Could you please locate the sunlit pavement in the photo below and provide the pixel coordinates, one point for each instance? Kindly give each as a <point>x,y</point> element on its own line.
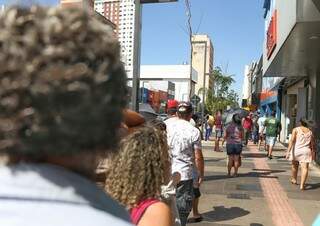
<point>262,195</point>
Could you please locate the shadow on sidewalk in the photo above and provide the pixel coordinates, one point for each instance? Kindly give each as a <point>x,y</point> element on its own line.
<point>214,159</point>
<point>261,155</point>
<point>269,171</point>
<point>262,174</point>
<point>254,155</point>
<point>220,213</point>
<point>312,186</point>
<point>215,177</point>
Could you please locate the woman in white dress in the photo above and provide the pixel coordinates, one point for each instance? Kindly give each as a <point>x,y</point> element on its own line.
<point>301,151</point>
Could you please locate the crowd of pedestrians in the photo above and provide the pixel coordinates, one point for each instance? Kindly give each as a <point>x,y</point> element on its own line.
<point>62,111</point>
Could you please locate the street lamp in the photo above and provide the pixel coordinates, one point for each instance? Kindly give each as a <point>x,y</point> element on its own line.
<point>137,50</point>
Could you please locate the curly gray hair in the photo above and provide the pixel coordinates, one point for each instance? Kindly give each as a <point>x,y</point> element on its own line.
<point>62,84</point>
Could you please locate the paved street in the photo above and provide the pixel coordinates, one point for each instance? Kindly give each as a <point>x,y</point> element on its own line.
<point>262,195</point>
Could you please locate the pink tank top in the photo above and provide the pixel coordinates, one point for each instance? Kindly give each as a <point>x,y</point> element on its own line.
<point>137,212</point>
<point>303,140</point>
<point>234,134</point>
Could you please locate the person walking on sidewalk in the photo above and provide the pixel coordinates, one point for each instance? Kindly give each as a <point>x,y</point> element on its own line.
<point>247,127</point>
<point>184,142</point>
<point>255,129</point>
<point>301,150</point>
<point>233,136</point>
<point>218,129</point>
<point>262,131</point>
<point>172,109</point>
<point>208,126</point>
<point>273,128</point>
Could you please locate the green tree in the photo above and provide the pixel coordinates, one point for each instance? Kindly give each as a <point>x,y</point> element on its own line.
<point>222,96</point>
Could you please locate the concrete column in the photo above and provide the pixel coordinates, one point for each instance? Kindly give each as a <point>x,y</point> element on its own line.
<point>284,116</point>
<point>317,115</point>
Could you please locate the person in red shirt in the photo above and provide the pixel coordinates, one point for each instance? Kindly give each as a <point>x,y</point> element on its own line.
<point>247,124</point>
<point>219,128</point>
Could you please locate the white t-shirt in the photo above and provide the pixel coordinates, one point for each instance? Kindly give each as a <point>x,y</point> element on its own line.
<point>183,139</point>
<point>193,123</point>
<point>170,120</point>
<point>261,121</point>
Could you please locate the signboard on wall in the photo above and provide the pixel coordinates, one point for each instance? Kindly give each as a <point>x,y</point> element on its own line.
<point>268,87</point>
<point>272,35</point>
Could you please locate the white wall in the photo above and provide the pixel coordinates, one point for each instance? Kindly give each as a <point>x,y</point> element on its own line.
<point>178,74</point>
<point>181,90</point>
<point>167,72</point>
<point>245,87</point>
<point>155,85</point>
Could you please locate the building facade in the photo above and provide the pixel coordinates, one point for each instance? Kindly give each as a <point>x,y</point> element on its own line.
<point>124,14</point>
<point>179,75</point>
<point>85,4</point>
<point>256,83</point>
<point>202,62</point>
<point>109,9</point>
<point>247,88</point>
<point>291,61</point>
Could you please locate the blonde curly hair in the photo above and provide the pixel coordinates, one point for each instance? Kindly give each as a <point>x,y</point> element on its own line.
<point>140,168</point>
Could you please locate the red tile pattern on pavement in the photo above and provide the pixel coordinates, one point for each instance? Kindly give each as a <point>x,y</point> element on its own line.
<point>283,214</point>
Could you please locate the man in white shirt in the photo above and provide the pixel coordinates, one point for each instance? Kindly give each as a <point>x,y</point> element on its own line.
<point>262,130</point>
<point>184,142</point>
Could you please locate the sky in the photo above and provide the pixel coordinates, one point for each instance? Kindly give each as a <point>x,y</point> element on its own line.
<point>236,28</point>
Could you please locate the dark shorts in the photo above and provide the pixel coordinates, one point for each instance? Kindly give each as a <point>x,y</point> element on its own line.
<point>196,192</point>
<point>219,133</point>
<point>184,197</point>
<point>234,149</point>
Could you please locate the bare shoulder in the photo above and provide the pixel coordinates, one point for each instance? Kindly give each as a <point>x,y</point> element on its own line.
<point>159,207</point>
<point>158,214</point>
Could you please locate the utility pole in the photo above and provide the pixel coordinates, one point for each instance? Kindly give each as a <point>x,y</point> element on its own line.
<point>136,57</point>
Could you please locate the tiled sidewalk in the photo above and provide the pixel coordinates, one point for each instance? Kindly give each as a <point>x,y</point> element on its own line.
<point>261,196</point>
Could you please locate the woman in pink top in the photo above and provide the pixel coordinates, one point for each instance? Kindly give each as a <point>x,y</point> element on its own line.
<point>233,136</point>
<point>301,151</point>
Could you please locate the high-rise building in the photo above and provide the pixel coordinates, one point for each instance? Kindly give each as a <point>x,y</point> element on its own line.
<point>85,4</point>
<point>200,57</point>
<point>122,13</point>
<point>109,9</point>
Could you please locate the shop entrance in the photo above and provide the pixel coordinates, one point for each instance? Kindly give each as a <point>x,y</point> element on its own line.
<point>291,112</point>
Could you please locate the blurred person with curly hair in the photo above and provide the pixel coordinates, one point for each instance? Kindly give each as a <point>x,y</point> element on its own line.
<point>136,174</point>
<point>62,92</point>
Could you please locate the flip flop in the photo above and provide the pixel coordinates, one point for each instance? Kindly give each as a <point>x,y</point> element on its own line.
<point>195,219</point>
<point>198,219</point>
<point>294,182</point>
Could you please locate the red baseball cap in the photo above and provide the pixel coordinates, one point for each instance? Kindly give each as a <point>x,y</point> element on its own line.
<point>172,104</point>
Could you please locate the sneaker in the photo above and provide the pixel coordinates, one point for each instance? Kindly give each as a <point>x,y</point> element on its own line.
<point>270,157</point>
